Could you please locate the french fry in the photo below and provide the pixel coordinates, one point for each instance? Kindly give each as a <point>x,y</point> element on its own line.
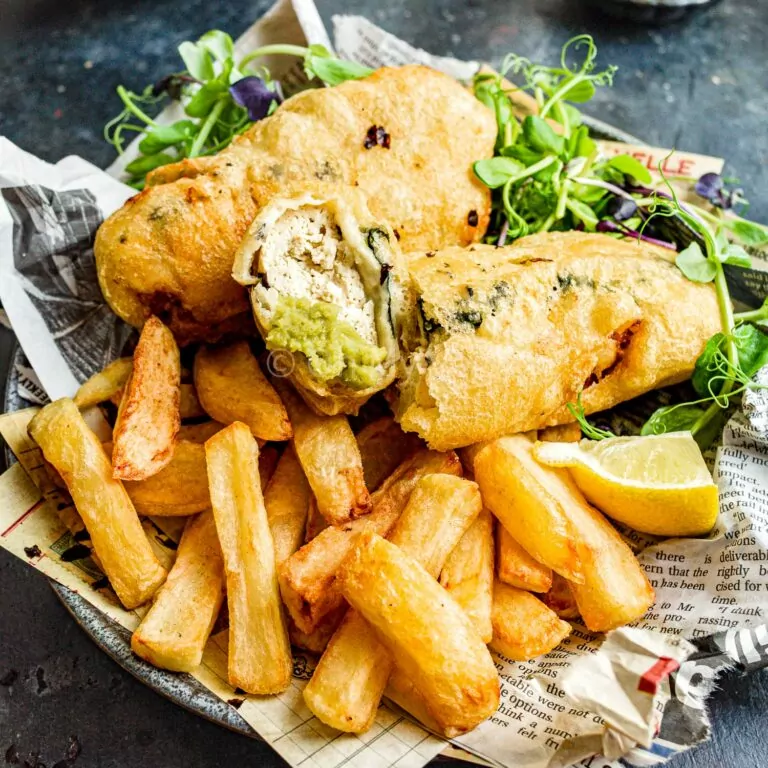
<point>468,573</point>
<point>615,590</point>
<point>232,387</point>
<point>307,577</point>
<point>199,433</point>
<point>560,598</point>
<point>286,499</point>
<point>259,653</point>
<point>516,567</point>
<point>317,640</point>
<point>105,384</point>
<point>515,488</point>
<point>103,503</point>
<point>348,683</point>
<point>383,445</point>
<point>178,489</point>
<point>523,627</point>
<point>148,417</point>
<point>315,521</point>
<point>433,640</point>
<point>402,692</point>
<point>562,433</point>
<point>268,458</point>
<point>174,632</point>
<point>189,404</point>
<point>330,458</point>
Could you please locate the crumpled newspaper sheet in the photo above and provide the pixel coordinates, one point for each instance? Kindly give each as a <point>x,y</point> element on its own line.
<point>639,694</point>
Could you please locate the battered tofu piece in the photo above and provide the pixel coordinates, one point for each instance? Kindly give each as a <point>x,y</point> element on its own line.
<point>321,276</point>
<point>405,136</point>
<point>508,336</point>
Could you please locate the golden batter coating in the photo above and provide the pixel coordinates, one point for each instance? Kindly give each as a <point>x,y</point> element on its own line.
<point>511,335</point>
<point>406,136</point>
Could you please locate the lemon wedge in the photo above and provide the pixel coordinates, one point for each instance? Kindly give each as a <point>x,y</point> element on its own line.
<point>657,484</point>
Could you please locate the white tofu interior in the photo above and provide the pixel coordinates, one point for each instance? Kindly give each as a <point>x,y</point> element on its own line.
<point>304,257</point>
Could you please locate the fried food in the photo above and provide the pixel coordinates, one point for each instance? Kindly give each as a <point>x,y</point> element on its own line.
<point>330,458</point>
<point>174,632</point>
<point>169,250</point>
<point>319,271</point>
<point>148,418</point>
<point>180,488</point>
<point>307,579</point>
<point>109,516</point>
<point>348,683</point>
<point>232,387</point>
<point>105,384</point>
<point>467,575</point>
<point>286,499</point>
<point>518,491</point>
<point>433,640</point>
<point>523,627</point>
<point>509,336</point>
<point>259,653</point>
<point>517,568</point>
<point>383,445</point>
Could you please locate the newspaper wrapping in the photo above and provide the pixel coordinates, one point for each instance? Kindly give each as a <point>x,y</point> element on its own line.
<point>637,695</point>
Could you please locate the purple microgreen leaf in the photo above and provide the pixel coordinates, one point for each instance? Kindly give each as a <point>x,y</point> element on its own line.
<point>621,208</point>
<point>709,186</point>
<point>255,95</point>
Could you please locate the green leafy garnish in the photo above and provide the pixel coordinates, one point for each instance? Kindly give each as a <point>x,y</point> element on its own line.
<point>221,98</point>
<point>548,178</point>
<point>731,357</point>
<point>587,429</point>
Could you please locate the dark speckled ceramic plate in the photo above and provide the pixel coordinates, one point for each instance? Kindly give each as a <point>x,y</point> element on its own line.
<point>111,637</point>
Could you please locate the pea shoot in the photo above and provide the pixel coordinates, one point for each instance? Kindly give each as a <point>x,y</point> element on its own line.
<point>548,179</point>
<point>220,97</point>
<point>731,358</point>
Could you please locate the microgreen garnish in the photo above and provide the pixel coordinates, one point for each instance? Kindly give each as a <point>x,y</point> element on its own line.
<point>587,429</point>
<point>549,177</point>
<point>731,357</point>
<point>221,98</point>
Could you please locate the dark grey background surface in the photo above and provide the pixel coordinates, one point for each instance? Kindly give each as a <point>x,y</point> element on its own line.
<point>701,86</point>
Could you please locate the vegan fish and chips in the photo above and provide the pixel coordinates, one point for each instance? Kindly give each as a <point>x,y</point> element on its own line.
<point>307,578</point>
<point>357,246</point>
<point>517,490</point>
<point>517,568</point>
<point>523,626</point>
<point>104,385</point>
<point>507,337</point>
<point>180,488</point>
<point>467,574</point>
<point>402,601</point>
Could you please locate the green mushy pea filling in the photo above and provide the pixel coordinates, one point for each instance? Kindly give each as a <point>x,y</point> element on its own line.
<point>333,347</point>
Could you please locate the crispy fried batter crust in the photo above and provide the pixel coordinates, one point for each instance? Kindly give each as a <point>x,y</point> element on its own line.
<point>515,333</point>
<point>169,249</point>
